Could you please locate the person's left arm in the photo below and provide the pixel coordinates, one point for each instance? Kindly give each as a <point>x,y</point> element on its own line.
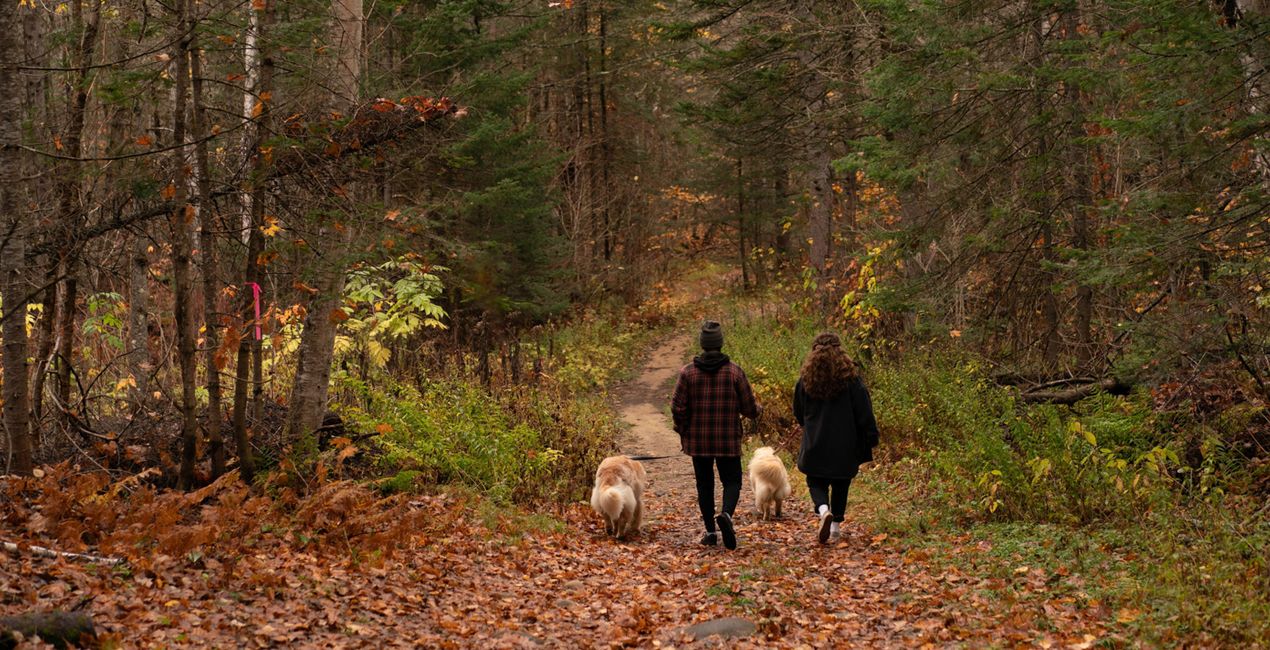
<point>865,424</point>
<point>679,404</point>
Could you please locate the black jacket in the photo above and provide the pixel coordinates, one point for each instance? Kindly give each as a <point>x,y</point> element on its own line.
<point>839,434</point>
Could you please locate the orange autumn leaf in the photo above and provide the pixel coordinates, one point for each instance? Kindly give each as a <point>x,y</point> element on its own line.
<point>338,315</point>
<point>168,191</point>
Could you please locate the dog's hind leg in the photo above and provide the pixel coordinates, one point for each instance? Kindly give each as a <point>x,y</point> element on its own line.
<point>637,520</point>
<point>778,508</point>
<point>609,527</point>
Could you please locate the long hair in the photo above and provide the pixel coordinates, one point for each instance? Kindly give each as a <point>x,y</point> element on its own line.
<point>827,370</point>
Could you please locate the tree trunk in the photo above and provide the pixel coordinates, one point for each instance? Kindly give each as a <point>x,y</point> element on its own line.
<point>207,252</point>
<point>259,70</point>
<point>317,341</point>
<point>70,196</point>
<point>1080,179</point>
<point>820,213</point>
<point>179,226</point>
<point>139,365</point>
<point>64,347</point>
<point>19,456</point>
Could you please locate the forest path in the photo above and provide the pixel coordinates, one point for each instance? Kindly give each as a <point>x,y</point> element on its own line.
<point>643,403</point>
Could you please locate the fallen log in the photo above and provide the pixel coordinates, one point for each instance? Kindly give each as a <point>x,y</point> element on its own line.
<point>48,552</point>
<point>62,629</point>
<point>1075,394</point>
<point>1037,379</point>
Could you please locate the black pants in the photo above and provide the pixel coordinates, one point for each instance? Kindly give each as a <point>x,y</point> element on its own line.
<point>831,492</point>
<point>729,474</point>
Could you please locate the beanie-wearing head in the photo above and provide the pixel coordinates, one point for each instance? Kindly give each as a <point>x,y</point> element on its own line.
<point>711,335</point>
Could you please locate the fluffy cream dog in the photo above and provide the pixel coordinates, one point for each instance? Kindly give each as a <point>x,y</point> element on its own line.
<point>618,495</point>
<point>769,480</point>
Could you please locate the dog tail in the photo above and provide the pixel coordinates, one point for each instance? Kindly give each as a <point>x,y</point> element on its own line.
<point>614,499</point>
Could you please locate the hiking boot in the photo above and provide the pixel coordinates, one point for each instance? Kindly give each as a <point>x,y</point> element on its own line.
<point>826,525</point>
<point>711,538</point>
<point>729,533</point>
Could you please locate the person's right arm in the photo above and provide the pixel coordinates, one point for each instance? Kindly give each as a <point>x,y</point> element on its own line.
<point>679,404</point>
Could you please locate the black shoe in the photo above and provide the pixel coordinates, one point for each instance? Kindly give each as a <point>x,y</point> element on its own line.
<point>729,533</point>
<point>826,524</point>
<point>711,538</point>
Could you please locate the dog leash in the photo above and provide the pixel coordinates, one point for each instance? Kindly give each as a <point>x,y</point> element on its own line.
<point>647,457</point>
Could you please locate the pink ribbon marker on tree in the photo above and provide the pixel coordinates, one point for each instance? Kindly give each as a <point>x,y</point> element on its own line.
<point>255,296</point>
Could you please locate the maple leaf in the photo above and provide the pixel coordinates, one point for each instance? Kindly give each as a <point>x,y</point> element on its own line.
<point>271,227</point>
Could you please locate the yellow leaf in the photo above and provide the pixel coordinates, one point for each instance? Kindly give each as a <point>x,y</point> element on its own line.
<point>1127,615</point>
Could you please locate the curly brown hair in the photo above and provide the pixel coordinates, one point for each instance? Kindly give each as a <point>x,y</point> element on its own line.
<point>827,369</point>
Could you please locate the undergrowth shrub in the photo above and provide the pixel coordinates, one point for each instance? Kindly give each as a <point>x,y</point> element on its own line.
<point>527,444</point>
<point>982,455</point>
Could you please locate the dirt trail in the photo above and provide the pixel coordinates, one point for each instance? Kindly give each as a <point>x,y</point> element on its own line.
<point>644,403</point>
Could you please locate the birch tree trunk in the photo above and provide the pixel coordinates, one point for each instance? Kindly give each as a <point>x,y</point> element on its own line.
<point>19,445</point>
<point>317,342</point>
<point>256,109</point>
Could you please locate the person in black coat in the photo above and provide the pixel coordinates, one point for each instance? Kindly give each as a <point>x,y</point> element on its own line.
<point>839,430</point>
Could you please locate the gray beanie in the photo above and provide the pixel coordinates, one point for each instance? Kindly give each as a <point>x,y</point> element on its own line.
<point>711,335</point>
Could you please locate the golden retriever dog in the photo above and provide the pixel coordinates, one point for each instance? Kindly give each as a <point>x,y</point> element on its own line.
<point>618,495</point>
<point>769,480</point>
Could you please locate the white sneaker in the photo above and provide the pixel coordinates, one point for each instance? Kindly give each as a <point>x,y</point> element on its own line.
<point>826,523</point>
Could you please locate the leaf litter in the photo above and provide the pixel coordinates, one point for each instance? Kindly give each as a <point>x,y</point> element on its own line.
<point>344,566</point>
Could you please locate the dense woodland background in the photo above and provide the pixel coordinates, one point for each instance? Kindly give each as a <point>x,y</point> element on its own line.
<point>467,215</point>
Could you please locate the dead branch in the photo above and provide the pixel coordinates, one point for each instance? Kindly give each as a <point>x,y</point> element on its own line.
<point>48,552</point>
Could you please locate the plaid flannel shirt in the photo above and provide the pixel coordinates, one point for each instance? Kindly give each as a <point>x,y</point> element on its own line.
<point>707,409</point>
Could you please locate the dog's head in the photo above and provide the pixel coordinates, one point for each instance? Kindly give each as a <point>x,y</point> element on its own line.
<point>764,451</point>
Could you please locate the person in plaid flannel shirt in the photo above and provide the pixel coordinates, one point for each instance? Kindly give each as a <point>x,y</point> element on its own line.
<point>711,396</point>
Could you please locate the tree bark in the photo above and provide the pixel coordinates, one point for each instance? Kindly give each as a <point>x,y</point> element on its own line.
<point>1081,191</point>
<point>56,627</point>
<point>207,252</point>
<point>317,341</point>
<point>179,226</point>
<point>259,68</point>
<point>820,213</point>
<point>70,197</point>
<point>19,458</point>
<point>139,363</point>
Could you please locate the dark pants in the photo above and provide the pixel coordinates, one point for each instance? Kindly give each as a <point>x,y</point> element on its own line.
<point>831,492</point>
<point>729,474</point>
